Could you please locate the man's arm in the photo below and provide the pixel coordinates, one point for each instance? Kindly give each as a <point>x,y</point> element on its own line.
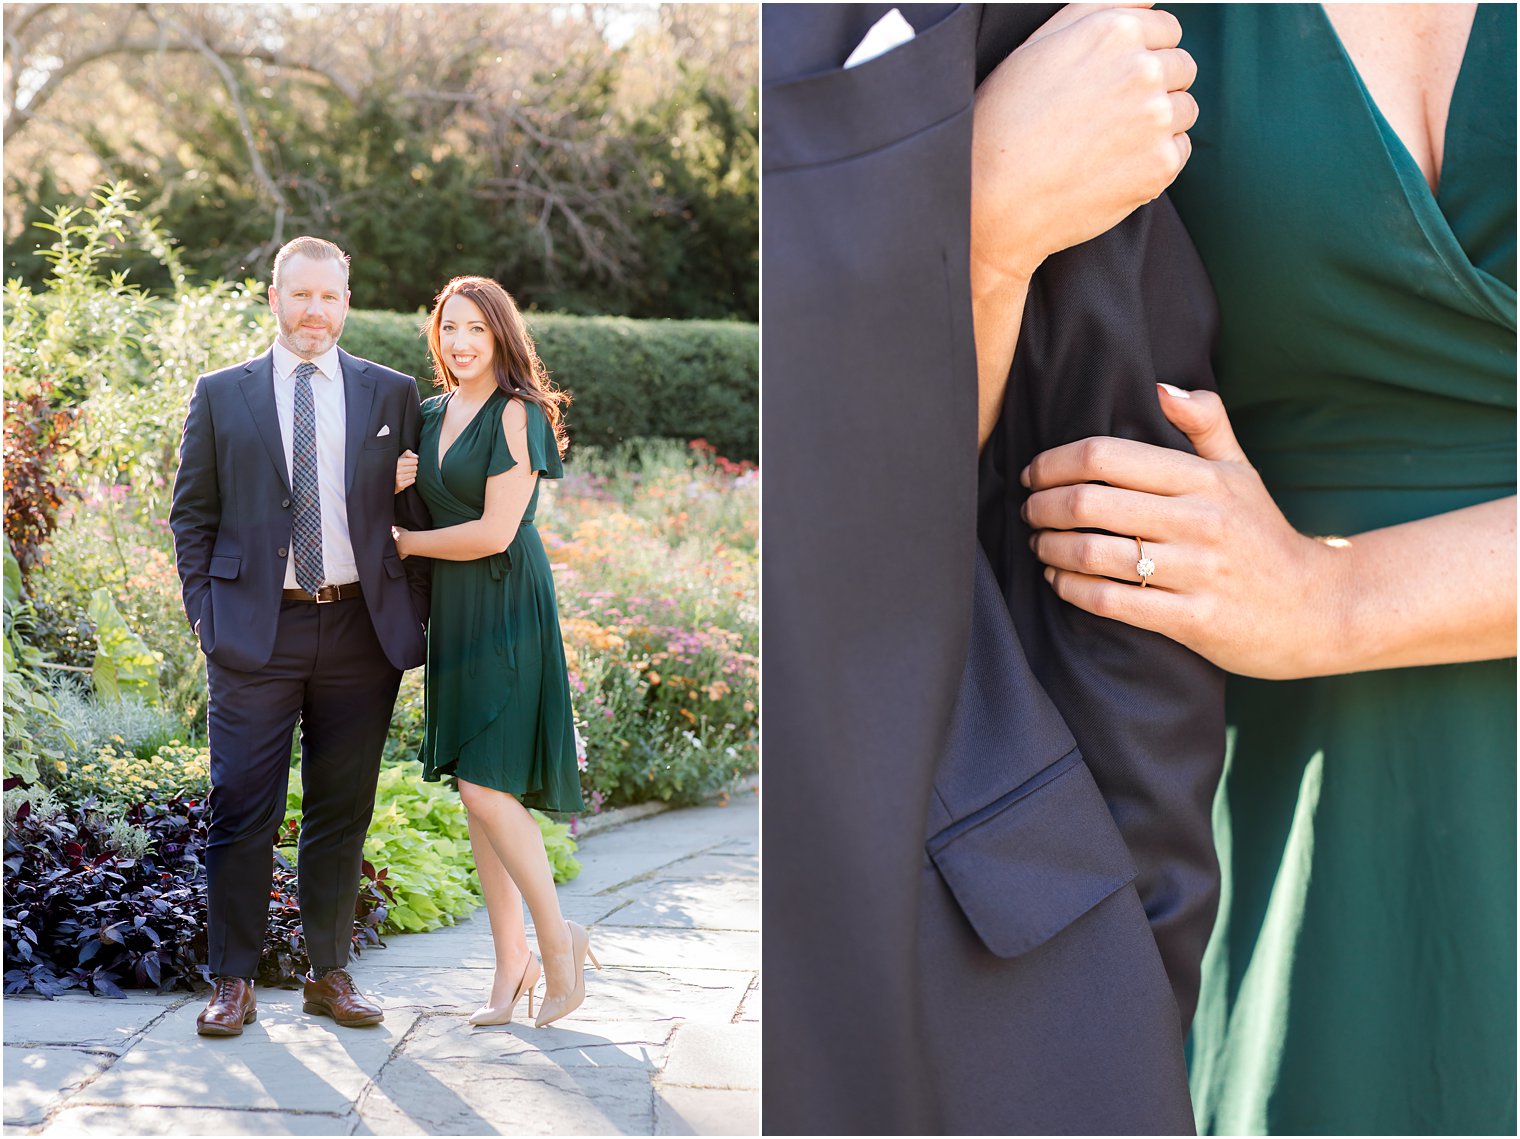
<point>411,512</point>
<point>196,514</point>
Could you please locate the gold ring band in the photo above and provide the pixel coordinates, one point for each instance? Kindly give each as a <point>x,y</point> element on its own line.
<point>1145,567</point>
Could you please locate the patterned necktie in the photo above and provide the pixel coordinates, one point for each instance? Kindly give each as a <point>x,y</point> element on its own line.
<point>306,533</point>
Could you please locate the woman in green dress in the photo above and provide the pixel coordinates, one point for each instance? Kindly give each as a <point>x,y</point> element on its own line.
<point>1352,193</point>
<point>497,691</point>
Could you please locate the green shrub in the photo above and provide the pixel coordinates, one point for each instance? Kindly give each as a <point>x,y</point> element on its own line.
<point>44,805</point>
<point>420,834</point>
<point>36,739</point>
<point>92,328</point>
<point>124,665</point>
<point>127,360</point>
<point>32,727</point>
<point>107,541</point>
<point>654,548</point>
<point>407,724</point>
<point>679,765</point>
<point>677,379</point>
<point>560,846</point>
<point>134,726</point>
<point>120,779</point>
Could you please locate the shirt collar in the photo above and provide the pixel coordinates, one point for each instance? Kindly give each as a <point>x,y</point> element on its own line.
<point>285,362</point>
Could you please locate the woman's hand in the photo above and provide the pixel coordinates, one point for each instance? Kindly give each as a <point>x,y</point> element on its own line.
<point>1233,580</point>
<point>1080,125</point>
<point>401,537</point>
<point>406,470</point>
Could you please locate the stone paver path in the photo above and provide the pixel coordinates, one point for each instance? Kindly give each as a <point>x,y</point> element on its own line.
<point>667,1043</point>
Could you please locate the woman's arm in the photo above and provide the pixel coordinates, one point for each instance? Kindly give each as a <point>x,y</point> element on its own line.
<point>1236,583</point>
<point>507,497</point>
<point>1081,125</point>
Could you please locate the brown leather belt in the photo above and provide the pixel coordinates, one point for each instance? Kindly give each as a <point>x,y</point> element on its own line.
<point>325,594</point>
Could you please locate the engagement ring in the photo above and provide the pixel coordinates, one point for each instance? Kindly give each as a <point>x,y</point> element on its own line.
<point>1144,567</point>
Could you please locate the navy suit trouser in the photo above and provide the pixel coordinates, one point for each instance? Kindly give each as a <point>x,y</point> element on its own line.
<point>329,674</point>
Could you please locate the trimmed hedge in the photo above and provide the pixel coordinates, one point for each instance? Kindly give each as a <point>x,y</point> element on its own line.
<point>678,379</point>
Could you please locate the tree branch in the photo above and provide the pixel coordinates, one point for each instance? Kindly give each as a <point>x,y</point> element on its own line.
<point>234,92</point>
<point>16,117</point>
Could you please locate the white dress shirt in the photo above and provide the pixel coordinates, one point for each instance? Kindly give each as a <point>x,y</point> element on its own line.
<point>338,563</point>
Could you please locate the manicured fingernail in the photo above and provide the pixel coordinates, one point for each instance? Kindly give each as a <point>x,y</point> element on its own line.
<point>1024,476</point>
<point>1024,510</point>
<point>1176,392</point>
<point>1050,575</point>
<point>1033,538</point>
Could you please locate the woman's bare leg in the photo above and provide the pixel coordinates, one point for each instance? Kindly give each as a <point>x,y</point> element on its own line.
<point>514,836</point>
<point>504,906</point>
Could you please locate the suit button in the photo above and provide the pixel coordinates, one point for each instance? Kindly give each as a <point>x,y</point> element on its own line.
<point>281,551</point>
<point>285,502</point>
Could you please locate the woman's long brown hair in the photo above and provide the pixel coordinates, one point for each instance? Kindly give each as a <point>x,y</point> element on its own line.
<point>519,371</point>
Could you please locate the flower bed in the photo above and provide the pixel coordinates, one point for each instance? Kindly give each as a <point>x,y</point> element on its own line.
<point>655,562</point>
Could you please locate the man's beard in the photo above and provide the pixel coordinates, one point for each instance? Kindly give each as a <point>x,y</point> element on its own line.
<point>310,342</point>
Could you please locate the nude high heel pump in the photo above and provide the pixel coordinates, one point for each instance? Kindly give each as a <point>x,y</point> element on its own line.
<point>530,975</point>
<point>553,1008</point>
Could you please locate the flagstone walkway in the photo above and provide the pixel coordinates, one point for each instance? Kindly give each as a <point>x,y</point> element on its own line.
<point>667,1043</point>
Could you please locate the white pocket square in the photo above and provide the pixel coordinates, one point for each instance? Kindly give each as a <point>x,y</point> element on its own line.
<point>891,31</point>
<point>383,432</point>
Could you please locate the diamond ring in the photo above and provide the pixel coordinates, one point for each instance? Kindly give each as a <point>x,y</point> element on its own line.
<point>1144,567</point>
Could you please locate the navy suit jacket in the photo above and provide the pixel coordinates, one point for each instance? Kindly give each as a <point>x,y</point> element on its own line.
<point>232,511</point>
<point>989,873</point>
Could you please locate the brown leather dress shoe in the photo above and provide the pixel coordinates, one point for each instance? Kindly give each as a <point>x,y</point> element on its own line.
<point>335,996</point>
<point>231,1007</point>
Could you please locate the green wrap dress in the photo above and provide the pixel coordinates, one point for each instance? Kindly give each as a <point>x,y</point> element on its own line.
<point>1361,977</point>
<point>497,693</point>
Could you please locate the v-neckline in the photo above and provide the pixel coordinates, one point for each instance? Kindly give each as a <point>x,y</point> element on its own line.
<point>1490,294</point>
<point>1380,120</point>
<point>443,452</point>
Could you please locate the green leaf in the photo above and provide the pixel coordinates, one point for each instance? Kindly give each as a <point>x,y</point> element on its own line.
<point>124,665</point>
<point>12,577</point>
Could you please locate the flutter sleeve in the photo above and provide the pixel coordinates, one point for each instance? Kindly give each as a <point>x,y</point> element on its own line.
<point>543,453</point>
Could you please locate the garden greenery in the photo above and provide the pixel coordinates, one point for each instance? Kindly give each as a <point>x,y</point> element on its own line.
<point>672,379</point>
<point>654,547</point>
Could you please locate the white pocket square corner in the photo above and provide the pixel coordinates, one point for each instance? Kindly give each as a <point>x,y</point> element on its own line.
<point>892,30</point>
<point>383,432</point>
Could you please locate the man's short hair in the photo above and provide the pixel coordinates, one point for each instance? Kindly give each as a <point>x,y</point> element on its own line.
<point>317,248</point>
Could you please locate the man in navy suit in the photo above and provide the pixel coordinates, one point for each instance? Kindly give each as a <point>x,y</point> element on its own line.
<point>283,507</point>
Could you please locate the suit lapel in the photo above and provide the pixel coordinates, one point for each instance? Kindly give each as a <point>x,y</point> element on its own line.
<point>358,398</point>
<point>258,390</point>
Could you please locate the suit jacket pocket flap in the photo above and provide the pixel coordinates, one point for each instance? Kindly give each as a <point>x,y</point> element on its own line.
<point>225,567</point>
<point>393,567</point>
<point>1029,864</point>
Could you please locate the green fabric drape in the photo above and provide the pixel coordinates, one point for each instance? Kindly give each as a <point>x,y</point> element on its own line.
<point>497,693</point>
<point>1361,977</point>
